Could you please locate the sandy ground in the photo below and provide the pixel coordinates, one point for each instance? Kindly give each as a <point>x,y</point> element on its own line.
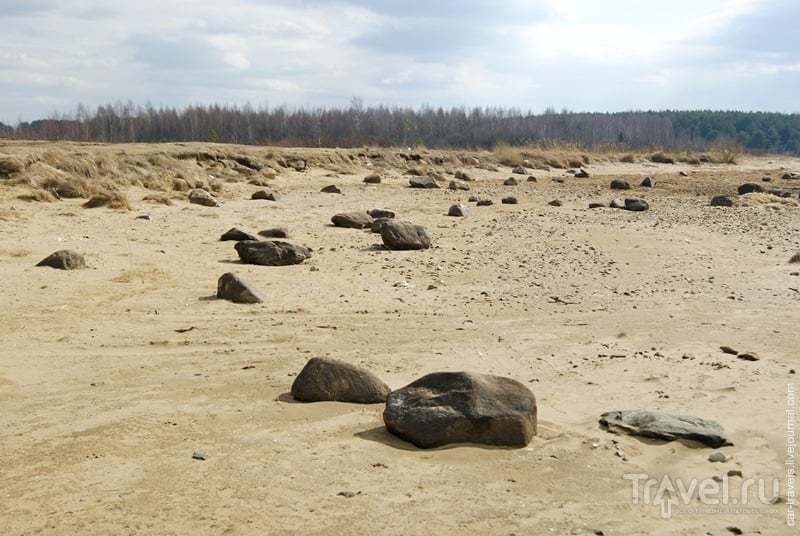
<point>113,376</point>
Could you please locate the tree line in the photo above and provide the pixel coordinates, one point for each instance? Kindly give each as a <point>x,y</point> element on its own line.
<point>457,127</point>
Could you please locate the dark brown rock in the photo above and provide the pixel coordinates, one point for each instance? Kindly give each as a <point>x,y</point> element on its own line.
<point>461,407</point>
<point>233,288</point>
<point>271,252</point>
<point>423,182</point>
<point>266,195</point>
<point>237,235</point>
<point>403,235</point>
<point>352,220</point>
<point>325,379</point>
<point>64,259</point>
<point>459,210</point>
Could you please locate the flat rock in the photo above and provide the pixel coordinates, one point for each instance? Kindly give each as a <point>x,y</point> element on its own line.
<point>352,220</point>
<point>280,231</point>
<point>271,252</point>
<point>236,235</point>
<point>657,425</point>
<point>462,407</point>
<point>423,182</point>
<point>400,235</point>
<point>198,196</point>
<point>266,195</point>
<point>64,259</point>
<point>326,379</point>
<point>233,288</point>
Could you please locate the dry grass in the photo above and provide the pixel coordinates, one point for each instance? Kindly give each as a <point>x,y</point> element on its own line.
<point>724,153</point>
<point>756,199</point>
<point>141,275</point>
<point>660,157</point>
<point>44,196</point>
<point>162,199</point>
<point>111,199</point>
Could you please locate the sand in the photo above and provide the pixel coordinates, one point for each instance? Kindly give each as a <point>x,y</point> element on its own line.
<point>113,376</point>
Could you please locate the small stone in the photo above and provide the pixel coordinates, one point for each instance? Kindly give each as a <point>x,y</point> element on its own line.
<point>596,205</point>
<point>485,202</point>
<point>511,181</point>
<point>619,184</point>
<point>459,185</point>
<point>459,210</point>
<point>648,182</point>
<point>531,178</point>
<point>519,170</point>
<point>275,232</point>
<point>718,456</point>
<point>331,189</point>
<point>734,472</point>
<point>749,187</point>
<point>721,201</point>
<point>636,205</point>
<point>347,494</point>
<point>65,259</point>
<point>266,195</point>
<point>373,178</point>
<point>555,203</point>
<point>728,350</point>
<point>199,455</point>
<point>199,196</point>
<point>511,200</point>
<point>748,356</point>
<point>581,174</point>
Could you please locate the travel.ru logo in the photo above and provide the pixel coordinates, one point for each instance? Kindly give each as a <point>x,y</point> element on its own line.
<point>708,495</point>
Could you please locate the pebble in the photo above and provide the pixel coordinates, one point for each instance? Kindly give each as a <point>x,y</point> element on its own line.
<point>718,456</point>
<point>199,455</point>
<point>347,494</point>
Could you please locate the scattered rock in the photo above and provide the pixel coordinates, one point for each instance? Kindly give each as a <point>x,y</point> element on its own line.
<point>749,356</point>
<point>648,182</point>
<point>582,174</point>
<point>749,188</point>
<point>657,425</point>
<point>617,203</point>
<point>728,350</point>
<point>721,201</point>
<point>271,252</point>
<point>519,170</point>
<point>717,456</point>
<point>331,189</point>
<point>64,259</point>
<point>596,205</point>
<point>373,178</point>
<point>619,184</point>
<point>423,182</point>
<point>636,205</point>
<point>459,210</point>
<point>459,185</point>
<point>237,235</point>
<point>267,195</point>
<point>275,232</point>
<point>326,379</point>
<point>398,235</point>
<point>463,176</point>
<point>511,181</point>
<point>353,220</point>
<point>485,202</point>
<point>233,288</point>
<point>510,200</point>
<point>461,407</point>
<point>380,213</point>
<point>198,196</point>
<point>555,203</point>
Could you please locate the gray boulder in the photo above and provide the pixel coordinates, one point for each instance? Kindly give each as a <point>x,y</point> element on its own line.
<point>459,185</point>
<point>401,235</point>
<point>325,379</point>
<point>459,210</point>
<point>461,407</point>
<point>352,220</point>
<point>233,288</point>
<point>636,205</point>
<point>64,259</point>
<point>271,252</point>
<point>423,182</point>
<point>657,425</point>
<point>266,195</point>
<point>198,196</point>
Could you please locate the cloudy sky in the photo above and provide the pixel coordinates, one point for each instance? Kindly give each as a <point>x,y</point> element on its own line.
<point>582,55</point>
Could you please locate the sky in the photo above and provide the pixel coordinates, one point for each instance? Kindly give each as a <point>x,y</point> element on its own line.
<point>533,55</point>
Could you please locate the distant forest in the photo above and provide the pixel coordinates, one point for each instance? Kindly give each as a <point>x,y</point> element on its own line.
<point>358,125</point>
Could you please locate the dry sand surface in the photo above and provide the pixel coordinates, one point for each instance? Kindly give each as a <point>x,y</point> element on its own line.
<point>111,377</point>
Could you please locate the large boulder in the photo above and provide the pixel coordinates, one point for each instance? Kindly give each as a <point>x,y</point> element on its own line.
<point>402,235</point>
<point>233,288</point>
<point>271,252</point>
<point>657,425</point>
<point>462,407</point>
<point>64,259</point>
<point>352,220</point>
<point>329,379</point>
